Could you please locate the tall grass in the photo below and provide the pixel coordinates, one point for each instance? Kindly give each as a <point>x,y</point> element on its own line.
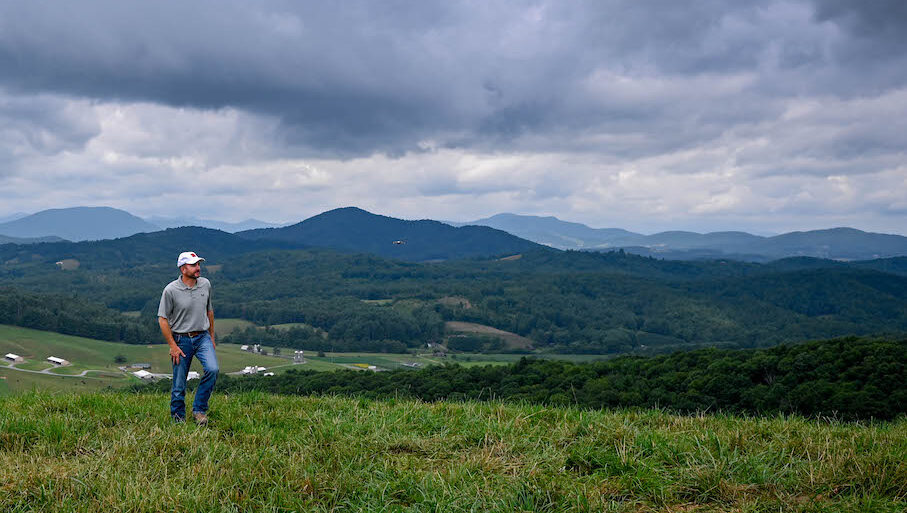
<point>119,452</point>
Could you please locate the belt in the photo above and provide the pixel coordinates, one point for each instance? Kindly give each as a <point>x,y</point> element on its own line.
<point>189,333</point>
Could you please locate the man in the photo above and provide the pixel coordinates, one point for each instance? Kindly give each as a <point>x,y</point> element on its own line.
<point>186,319</point>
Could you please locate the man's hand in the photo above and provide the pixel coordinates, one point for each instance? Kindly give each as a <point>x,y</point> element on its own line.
<point>175,353</point>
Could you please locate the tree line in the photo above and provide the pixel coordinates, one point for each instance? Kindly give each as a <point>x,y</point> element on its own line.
<point>72,315</point>
<point>847,378</point>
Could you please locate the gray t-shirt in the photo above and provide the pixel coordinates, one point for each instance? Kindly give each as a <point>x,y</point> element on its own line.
<point>185,308</point>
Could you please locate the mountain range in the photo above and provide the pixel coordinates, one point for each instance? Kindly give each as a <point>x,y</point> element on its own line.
<point>98,223</point>
<point>344,229</point>
<point>356,230</point>
<point>835,243</point>
<point>77,223</point>
<point>177,222</point>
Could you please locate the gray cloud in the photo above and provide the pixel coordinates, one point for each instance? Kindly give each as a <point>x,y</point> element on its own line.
<point>383,76</point>
<point>41,126</point>
<point>707,110</point>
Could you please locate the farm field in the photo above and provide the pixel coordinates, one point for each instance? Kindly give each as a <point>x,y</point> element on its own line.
<point>17,382</point>
<point>512,340</point>
<point>226,326</point>
<point>85,354</point>
<point>118,452</point>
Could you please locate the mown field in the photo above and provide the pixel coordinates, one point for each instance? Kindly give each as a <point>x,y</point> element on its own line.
<point>119,452</point>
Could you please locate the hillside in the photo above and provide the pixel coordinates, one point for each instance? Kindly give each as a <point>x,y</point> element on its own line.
<point>118,452</point>
<point>27,240</point>
<point>159,247</point>
<point>354,229</point>
<point>565,302</point>
<point>78,223</point>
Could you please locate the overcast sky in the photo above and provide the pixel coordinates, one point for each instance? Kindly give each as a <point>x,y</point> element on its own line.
<point>647,115</point>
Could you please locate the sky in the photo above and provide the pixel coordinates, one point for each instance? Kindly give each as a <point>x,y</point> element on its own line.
<point>648,115</point>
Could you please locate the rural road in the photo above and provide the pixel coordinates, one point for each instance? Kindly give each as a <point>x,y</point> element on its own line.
<point>47,371</point>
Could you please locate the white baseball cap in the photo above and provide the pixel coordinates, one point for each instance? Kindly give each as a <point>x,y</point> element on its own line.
<point>188,257</point>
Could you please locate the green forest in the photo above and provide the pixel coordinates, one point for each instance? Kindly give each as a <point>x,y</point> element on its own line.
<point>566,302</point>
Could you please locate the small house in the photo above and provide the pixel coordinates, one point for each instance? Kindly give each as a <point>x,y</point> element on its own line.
<point>192,375</point>
<point>140,366</point>
<point>57,361</point>
<point>244,347</point>
<point>143,374</point>
<point>10,357</point>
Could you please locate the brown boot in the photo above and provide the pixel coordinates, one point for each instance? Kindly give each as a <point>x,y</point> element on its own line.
<point>200,418</point>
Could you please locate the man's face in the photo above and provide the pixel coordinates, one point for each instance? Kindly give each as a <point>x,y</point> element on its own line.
<point>191,270</point>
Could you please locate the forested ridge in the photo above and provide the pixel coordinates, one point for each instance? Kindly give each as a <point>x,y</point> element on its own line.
<point>72,316</point>
<point>848,378</point>
<point>573,302</point>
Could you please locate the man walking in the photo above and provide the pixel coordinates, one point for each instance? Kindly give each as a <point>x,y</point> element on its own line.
<point>186,319</point>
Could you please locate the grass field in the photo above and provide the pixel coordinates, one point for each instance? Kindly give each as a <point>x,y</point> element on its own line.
<point>512,340</point>
<point>226,326</point>
<point>118,452</point>
<point>290,325</point>
<point>18,382</point>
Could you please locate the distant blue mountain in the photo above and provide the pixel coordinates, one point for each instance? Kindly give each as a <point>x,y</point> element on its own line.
<point>835,243</point>
<point>77,223</point>
<point>13,217</point>
<point>354,229</point>
<point>553,232</point>
<point>177,222</point>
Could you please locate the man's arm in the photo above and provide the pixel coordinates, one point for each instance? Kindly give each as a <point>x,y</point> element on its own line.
<point>175,351</point>
<point>211,326</point>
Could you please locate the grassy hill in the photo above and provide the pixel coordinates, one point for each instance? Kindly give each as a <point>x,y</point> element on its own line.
<point>118,452</point>
<point>95,355</point>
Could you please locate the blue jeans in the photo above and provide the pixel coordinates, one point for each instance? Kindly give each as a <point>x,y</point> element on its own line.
<point>201,347</point>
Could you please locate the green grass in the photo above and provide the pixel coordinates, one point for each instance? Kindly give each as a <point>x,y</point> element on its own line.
<point>17,382</point>
<point>35,365</point>
<point>118,452</point>
<point>226,326</point>
<point>378,301</point>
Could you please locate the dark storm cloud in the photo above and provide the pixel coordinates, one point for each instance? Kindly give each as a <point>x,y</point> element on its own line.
<point>41,126</point>
<point>384,76</point>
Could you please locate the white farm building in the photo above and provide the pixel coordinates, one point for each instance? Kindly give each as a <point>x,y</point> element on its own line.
<point>10,357</point>
<point>143,374</point>
<point>57,361</point>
